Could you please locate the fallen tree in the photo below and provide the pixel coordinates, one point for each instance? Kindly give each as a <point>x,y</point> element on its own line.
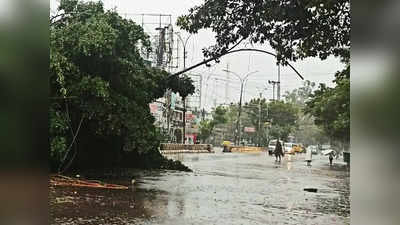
<point>100,90</point>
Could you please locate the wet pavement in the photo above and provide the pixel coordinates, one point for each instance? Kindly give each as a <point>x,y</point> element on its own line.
<point>224,188</point>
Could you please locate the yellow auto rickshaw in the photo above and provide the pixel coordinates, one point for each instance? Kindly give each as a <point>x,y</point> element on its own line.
<point>227,146</point>
<point>297,148</point>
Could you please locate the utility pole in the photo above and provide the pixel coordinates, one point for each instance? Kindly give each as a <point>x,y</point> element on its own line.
<point>279,83</point>
<point>259,121</point>
<point>273,88</point>
<point>227,84</point>
<point>184,121</point>
<point>159,64</point>
<point>242,80</point>
<point>161,46</point>
<point>267,122</point>
<point>184,99</point>
<point>237,139</point>
<point>184,43</point>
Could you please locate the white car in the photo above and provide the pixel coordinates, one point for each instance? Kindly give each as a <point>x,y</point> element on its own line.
<point>288,147</point>
<point>313,149</point>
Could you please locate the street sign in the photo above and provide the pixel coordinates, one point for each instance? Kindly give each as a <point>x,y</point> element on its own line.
<point>249,129</point>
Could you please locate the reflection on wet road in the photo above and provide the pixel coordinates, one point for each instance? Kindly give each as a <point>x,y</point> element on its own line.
<point>225,188</point>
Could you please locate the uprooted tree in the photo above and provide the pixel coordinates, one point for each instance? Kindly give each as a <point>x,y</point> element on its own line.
<point>100,90</point>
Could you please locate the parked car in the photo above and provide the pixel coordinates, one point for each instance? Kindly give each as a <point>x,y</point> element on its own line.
<point>288,148</point>
<point>313,149</point>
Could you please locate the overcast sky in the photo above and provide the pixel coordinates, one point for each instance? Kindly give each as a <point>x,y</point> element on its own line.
<point>214,79</point>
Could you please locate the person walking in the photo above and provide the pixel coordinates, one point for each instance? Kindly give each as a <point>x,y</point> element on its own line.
<point>330,158</point>
<point>278,151</point>
<point>309,157</point>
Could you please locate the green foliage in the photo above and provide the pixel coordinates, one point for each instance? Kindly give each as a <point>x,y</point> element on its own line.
<point>58,130</point>
<point>295,29</point>
<point>99,80</point>
<point>183,85</point>
<point>219,115</point>
<point>282,116</point>
<point>300,95</point>
<point>206,128</point>
<point>331,107</point>
<point>306,131</point>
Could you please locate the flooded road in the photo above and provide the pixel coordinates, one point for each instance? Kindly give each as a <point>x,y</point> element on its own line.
<point>224,188</point>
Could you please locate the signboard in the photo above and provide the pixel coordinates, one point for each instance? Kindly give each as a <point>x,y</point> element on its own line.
<point>190,116</point>
<point>155,108</point>
<point>173,100</point>
<point>194,100</point>
<point>249,129</point>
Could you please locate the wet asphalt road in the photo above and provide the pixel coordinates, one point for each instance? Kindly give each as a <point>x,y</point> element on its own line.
<point>225,188</point>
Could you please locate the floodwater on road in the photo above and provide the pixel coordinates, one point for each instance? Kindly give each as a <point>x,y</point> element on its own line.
<point>224,188</point>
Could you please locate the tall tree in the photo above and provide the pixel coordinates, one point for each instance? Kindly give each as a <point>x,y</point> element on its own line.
<point>283,117</point>
<point>206,127</point>
<point>219,115</point>
<point>300,95</point>
<point>331,107</point>
<point>295,29</point>
<point>306,131</point>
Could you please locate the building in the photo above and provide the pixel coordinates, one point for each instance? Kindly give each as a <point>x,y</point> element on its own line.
<point>168,114</point>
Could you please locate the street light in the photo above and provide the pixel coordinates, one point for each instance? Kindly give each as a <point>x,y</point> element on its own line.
<point>242,80</point>
<point>184,100</point>
<point>184,43</point>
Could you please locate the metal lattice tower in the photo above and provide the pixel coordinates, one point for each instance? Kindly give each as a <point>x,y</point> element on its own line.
<point>165,50</point>
<point>194,100</point>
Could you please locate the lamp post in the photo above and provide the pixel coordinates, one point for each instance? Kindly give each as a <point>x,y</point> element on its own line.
<point>259,121</point>
<point>184,43</point>
<point>184,100</point>
<point>242,80</point>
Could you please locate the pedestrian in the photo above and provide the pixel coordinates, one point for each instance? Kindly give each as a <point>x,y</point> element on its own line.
<point>309,157</point>
<point>278,151</point>
<point>330,158</point>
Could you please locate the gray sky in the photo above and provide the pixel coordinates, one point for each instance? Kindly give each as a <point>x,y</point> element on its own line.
<point>242,63</point>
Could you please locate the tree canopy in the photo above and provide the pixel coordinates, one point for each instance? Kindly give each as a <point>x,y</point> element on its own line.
<point>100,86</point>
<point>294,29</point>
<point>300,95</point>
<point>281,117</point>
<point>306,131</point>
<point>207,126</point>
<point>331,107</point>
<point>219,115</point>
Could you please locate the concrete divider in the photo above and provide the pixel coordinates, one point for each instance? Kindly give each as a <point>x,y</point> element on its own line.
<point>172,148</point>
<point>247,149</point>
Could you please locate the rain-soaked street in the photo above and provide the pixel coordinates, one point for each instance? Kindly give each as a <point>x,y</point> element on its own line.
<point>224,188</point>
